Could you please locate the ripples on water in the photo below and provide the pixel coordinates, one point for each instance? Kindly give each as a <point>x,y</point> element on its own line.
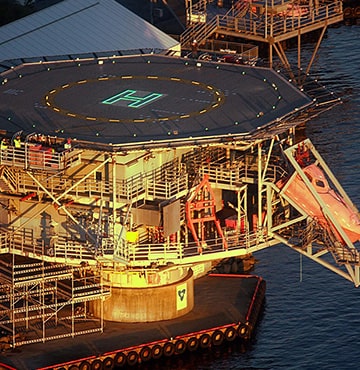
<point>311,318</point>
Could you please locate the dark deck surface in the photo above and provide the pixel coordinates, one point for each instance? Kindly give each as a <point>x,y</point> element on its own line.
<point>218,301</point>
<point>171,99</point>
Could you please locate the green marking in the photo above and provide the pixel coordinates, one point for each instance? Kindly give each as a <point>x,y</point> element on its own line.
<point>134,101</point>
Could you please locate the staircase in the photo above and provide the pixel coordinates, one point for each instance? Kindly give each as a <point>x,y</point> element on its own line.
<point>7,180</point>
<point>324,239</point>
<point>201,31</point>
<point>342,254</point>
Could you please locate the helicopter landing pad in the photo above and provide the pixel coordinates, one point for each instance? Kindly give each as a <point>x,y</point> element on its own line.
<point>144,99</point>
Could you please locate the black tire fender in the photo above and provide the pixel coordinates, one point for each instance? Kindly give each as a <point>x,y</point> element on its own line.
<point>145,354</point>
<point>108,363</point>
<point>85,365</point>
<point>180,347</point>
<point>192,344</point>
<point>120,359</point>
<point>217,337</point>
<point>169,349</point>
<point>132,358</point>
<point>242,331</point>
<point>97,365</point>
<point>156,351</point>
<point>205,341</point>
<point>230,334</point>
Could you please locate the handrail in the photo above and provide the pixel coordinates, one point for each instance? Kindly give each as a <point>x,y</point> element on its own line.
<point>32,156</point>
<point>163,182</point>
<point>263,26</point>
<point>23,242</point>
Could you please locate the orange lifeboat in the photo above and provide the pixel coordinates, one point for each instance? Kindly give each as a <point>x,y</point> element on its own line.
<point>302,196</point>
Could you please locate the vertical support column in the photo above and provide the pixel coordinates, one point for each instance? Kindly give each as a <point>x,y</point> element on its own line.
<point>259,221</point>
<point>113,164</point>
<point>42,302</point>
<point>188,7</point>
<point>72,304</point>
<point>357,275</point>
<point>55,298</point>
<point>12,299</point>
<point>102,300</point>
<point>269,208</point>
<point>266,18</point>
<point>238,223</point>
<point>299,56</point>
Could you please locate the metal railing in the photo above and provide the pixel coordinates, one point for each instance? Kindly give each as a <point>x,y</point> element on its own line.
<point>164,182</point>
<point>280,24</point>
<point>37,157</point>
<point>64,250</point>
<point>321,237</point>
<point>23,242</point>
<point>264,25</point>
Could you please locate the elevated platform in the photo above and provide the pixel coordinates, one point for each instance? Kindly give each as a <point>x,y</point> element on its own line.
<point>142,101</point>
<point>262,22</point>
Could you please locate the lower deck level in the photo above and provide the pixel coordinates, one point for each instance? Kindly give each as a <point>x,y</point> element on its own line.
<point>226,308</point>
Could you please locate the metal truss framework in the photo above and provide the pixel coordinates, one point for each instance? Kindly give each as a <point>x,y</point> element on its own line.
<point>42,301</point>
<point>248,170</point>
<point>308,236</point>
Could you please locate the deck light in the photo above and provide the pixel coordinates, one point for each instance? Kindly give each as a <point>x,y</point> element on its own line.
<point>100,62</point>
<point>198,64</point>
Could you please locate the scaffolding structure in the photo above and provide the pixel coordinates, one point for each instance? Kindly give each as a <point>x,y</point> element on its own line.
<point>42,301</point>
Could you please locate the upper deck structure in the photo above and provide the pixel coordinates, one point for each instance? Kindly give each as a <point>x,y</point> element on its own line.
<point>139,102</point>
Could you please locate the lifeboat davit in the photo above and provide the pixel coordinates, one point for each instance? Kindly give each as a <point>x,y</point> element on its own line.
<point>298,191</point>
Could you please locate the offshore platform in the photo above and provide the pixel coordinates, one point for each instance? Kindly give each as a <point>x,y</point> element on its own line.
<point>141,171</point>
